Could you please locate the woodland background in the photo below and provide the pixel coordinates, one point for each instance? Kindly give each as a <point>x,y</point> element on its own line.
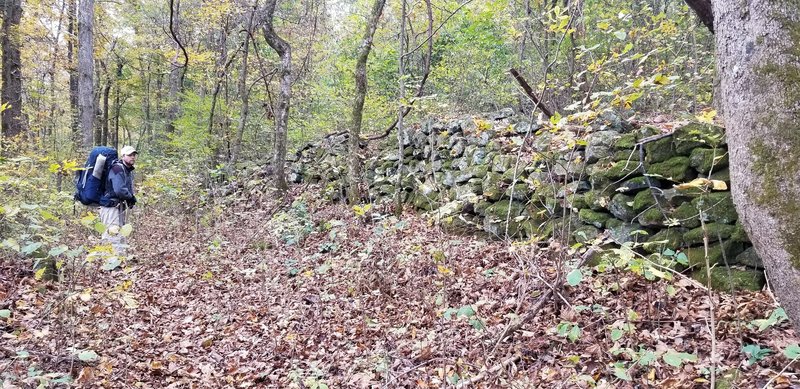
<point>236,279</point>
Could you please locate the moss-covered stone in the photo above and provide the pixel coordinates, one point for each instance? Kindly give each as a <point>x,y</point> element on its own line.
<point>730,249</point>
<point>748,258</point>
<point>687,215</point>
<point>626,142</point>
<point>704,160</point>
<point>502,162</point>
<point>479,171</point>
<point>500,230</point>
<point>675,169</point>
<point>643,200</point>
<point>621,206</point>
<point>625,232</point>
<point>717,207</point>
<point>425,202</point>
<point>652,217</point>
<point>461,225</point>
<point>722,175</point>
<point>726,279</point>
<point>659,151</point>
<point>671,238</point>
<point>501,209</point>
<point>596,200</point>
<point>716,231</point>
<point>577,201</point>
<point>585,234</point>
<point>637,184</point>
<point>519,192</point>
<point>694,135</point>
<point>596,219</point>
<point>613,170</point>
<point>492,189</point>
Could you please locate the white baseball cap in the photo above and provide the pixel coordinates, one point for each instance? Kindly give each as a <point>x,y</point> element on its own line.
<point>127,150</point>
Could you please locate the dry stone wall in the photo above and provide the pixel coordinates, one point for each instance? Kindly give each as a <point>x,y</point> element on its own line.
<point>502,176</point>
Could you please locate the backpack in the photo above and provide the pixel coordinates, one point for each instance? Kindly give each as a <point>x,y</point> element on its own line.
<point>90,182</point>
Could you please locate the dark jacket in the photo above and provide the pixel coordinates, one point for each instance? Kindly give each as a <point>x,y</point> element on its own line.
<point>119,186</point>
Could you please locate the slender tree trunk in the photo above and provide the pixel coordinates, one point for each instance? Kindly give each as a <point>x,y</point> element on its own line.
<point>86,70</point>
<point>401,95</point>
<point>758,62</point>
<point>243,91</point>
<point>117,107</point>
<point>284,51</point>
<point>106,93</point>
<point>13,120</point>
<point>73,74</point>
<point>354,144</point>
<point>177,71</point>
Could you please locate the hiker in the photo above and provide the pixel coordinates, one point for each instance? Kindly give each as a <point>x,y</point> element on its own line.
<point>118,197</point>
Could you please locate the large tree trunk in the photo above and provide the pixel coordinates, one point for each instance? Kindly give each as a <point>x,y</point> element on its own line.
<point>354,144</point>
<point>758,63</point>
<point>284,50</point>
<point>86,70</point>
<point>13,121</point>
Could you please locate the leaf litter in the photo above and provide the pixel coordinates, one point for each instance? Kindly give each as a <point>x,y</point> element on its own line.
<point>258,298</point>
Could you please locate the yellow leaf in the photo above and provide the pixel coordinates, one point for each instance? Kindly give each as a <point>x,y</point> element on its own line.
<point>719,185</point>
<point>444,270</point>
<point>697,183</point>
<point>208,275</point>
<point>707,116</point>
<point>39,274</point>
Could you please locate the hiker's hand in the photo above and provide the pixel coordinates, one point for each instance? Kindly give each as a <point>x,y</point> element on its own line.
<point>131,202</point>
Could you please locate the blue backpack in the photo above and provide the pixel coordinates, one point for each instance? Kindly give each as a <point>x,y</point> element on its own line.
<point>90,182</point>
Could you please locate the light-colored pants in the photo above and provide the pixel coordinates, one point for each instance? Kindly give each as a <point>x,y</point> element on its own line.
<point>113,218</point>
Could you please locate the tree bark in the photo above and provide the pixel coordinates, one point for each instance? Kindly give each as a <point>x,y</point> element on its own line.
<point>284,51</point>
<point>73,74</point>
<point>704,12</point>
<point>354,143</point>
<point>244,92</point>
<point>86,70</point>
<point>178,71</point>
<point>13,120</point>
<point>758,62</point>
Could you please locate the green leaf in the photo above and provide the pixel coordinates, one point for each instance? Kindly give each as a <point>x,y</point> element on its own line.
<point>5,313</point>
<point>646,357</point>
<point>755,352</point>
<point>777,316</point>
<point>574,333</point>
<point>616,334</point>
<point>668,253</point>
<point>792,351</point>
<point>621,35</point>
<point>466,311</point>
<point>574,277</point>
<point>87,355</point>
<point>476,324</point>
<point>682,259</point>
<point>99,227</point>
<point>621,372</point>
<point>126,230</point>
<point>111,263</point>
<point>27,250</point>
<point>56,251</point>
<point>676,359</point>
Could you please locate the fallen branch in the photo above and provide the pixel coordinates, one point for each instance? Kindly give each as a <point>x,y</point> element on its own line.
<point>529,91</point>
<point>534,310</point>
<point>493,370</point>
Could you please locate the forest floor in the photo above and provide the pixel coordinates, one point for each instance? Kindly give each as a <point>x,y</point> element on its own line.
<point>322,296</point>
